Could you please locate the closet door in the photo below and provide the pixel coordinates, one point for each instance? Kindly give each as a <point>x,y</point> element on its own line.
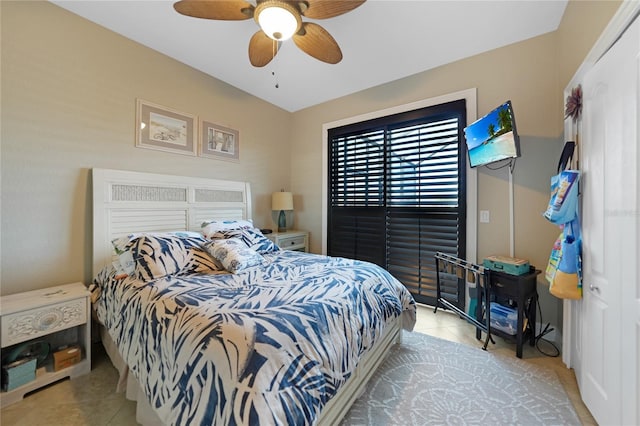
<point>611,323</point>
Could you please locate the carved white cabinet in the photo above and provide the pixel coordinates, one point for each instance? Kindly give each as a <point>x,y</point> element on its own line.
<point>58,315</point>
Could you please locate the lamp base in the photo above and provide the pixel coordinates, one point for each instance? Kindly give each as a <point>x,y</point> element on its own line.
<point>282,222</point>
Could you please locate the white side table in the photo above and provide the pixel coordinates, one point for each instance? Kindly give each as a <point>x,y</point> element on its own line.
<point>291,240</point>
<point>58,315</point>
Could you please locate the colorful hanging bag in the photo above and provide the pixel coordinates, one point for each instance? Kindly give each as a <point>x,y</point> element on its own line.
<point>563,204</point>
<point>564,271</point>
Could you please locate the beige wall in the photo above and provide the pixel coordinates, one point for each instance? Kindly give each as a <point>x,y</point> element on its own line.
<point>68,104</point>
<point>582,23</point>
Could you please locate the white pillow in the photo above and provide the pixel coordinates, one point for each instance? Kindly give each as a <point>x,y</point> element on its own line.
<point>210,227</point>
<point>233,254</point>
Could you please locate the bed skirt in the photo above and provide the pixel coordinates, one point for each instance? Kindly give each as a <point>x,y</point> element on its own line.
<point>128,384</point>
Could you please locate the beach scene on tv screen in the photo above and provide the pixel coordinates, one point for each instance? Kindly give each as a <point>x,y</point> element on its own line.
<point>491,138</point>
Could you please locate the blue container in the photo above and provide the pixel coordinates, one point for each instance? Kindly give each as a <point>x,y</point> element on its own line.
<point>504,318</point>
<point>18,373</point>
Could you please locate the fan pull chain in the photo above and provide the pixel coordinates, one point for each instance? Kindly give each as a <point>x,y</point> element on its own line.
<point>273,52</point>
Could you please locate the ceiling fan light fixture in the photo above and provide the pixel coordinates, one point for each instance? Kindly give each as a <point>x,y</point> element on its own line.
<point>277,19</point>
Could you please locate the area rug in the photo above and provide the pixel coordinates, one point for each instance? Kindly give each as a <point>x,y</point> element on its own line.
<point>430,381</point>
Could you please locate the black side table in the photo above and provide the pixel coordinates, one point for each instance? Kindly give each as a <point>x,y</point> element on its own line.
<point>521,290</point>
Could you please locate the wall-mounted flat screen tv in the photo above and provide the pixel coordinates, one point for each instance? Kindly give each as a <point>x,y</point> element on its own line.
<point>493,137</point>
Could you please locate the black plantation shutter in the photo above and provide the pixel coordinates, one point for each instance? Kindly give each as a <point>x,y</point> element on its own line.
<point>397,194</point>
<point>357,196</point>
<point>423,214</point>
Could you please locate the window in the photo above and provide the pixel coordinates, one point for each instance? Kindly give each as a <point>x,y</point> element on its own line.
<point>397,194</point>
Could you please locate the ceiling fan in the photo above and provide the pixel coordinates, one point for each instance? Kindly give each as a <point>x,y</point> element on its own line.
<point>279,20</point>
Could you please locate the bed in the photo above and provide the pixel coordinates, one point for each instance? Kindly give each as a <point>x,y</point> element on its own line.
<point>203,331</point>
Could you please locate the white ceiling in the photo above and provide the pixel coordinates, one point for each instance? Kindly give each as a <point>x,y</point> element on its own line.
<point>381,41</point>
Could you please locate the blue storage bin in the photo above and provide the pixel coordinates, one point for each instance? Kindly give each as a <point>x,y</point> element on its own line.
<point>18,373</point>
<point>504,318</point>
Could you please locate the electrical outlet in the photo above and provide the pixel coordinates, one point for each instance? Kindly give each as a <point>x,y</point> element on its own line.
<point>484,216</point>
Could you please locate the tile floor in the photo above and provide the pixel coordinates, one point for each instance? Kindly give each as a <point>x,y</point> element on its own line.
<point>90,400</point>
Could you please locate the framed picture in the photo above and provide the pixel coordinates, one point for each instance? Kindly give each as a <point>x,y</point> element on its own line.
<point>164,129</point>
<point>219,142</point>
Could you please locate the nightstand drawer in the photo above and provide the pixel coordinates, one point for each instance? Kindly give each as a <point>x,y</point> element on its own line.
<point>512,286</point>
<point>26,325</point>
<point>292,241</point>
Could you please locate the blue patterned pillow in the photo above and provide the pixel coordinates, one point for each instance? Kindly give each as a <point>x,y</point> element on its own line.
<point>159,256</point>
<point>252,237</point>
<point>210,227</point>
<point>233,254</point>
<point>124,243</point>
<point>122,258</point>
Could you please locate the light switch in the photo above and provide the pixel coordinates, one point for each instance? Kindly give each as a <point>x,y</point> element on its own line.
<point>484,216</point>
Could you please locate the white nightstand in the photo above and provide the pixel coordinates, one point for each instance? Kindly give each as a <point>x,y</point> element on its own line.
<point>58,315</point>
<point>291,240</point>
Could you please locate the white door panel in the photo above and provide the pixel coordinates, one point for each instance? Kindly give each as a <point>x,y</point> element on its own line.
<point>598,364</point>
<point>593,175</point>
<point>596,373</point>
<point>611,320</point>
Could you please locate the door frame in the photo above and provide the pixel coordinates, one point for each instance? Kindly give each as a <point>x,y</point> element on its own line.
<point>470,96</point>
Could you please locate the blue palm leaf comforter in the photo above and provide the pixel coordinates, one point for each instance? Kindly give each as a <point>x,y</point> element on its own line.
<point>268,346</point>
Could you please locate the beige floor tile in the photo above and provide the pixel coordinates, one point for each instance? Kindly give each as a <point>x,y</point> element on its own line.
<point>126,416</point>
<point>72,413</point>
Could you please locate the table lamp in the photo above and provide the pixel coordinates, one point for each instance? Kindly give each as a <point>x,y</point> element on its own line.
<point>282,201</point>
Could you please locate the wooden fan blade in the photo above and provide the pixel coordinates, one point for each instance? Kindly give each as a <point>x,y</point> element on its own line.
<point>323,9</point>
<point>317,42</point>
<point>262,49</point>
<point>225,10</point>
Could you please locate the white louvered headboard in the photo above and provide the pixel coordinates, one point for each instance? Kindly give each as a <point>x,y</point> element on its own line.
<point>126,202</point>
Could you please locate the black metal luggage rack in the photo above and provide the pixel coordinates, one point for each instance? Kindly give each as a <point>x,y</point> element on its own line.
<point>472,272</point>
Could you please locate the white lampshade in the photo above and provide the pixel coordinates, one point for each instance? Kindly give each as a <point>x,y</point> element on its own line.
<point>281,201</point>
<point>278,20</point>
